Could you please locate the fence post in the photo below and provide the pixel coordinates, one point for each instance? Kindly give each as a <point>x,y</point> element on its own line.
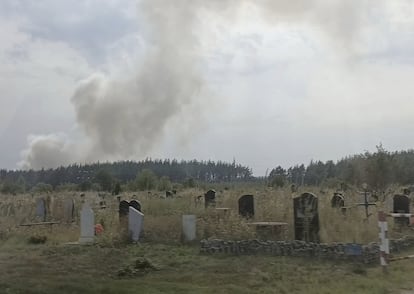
<point>384,242</point>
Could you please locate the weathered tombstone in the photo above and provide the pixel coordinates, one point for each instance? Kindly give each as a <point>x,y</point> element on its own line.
<point>246,206</point>
<point>337,200</point>
<point>87,220</point>
<point>210,199</point>
<point>68,210</point>
<point>135,223</point>
<point>41,209</point>
<point>306,217</point>
<point>123,208</point>
<point>135,204</point>
<point>189,227</point>
<point>401,204</point>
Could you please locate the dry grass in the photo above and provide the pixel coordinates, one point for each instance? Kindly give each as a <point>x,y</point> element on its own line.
<point>163,216</point>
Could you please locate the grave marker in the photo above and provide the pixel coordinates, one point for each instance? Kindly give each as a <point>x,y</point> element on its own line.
<point>338,200</point>
<point>210,199</point>
<point>401,204</point>
<point>87,225</point>
<point>189,227</point>
<point>246,206</point>
<point>135,204</point>
<point>123,208</point>
<point>306,217</point>
<point>135,223</point>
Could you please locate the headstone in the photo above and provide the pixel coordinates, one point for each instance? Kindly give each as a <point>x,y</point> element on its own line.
<point>123,208</point>
<point>246,206</point>
<point>41,209</point>
<point>306,217</point>
<point>337,200</point>
<point>87,220</point>
<point>401,204</point>
<point>189,227</point>
<point>135,204</point>
<point>135,223</point>
<point>68,210</point>
<point>210,199</point>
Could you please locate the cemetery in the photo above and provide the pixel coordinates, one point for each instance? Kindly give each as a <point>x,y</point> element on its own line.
<point>307,223</point>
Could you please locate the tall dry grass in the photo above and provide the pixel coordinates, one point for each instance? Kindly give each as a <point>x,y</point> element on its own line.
<point>162,222</point>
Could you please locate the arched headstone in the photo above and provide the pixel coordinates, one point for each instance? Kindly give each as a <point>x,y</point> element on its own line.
<point>401,204</point>
<point>246,206</point>
<point>123,208</point>
<point>135,204</point>
<point>210,198</point>
<point>306,217</point>
<point>338,200</point>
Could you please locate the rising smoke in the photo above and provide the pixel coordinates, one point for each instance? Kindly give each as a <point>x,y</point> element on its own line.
<point>126,115</point>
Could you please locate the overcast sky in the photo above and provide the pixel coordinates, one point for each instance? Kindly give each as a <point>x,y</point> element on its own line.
<point>264,82</point>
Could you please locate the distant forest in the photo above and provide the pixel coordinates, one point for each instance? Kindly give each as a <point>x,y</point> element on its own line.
<point>378,169</point>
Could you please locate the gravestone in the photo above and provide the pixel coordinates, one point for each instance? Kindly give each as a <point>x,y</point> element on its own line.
<point>68,210</point>
<point>135,223</point>
<point>306,217</point>
<point>210,199</point>
<point>338,200</point>
<point>246,206</point>
<point>135,204</point>
<point>87,220</point>
<point>189,227</point>
<point>401,204</point>
<point>41,209</point>
<point>123,208</point>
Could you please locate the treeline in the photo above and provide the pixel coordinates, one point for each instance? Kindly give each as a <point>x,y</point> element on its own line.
<point>123,172</point>
<point>377,169</point>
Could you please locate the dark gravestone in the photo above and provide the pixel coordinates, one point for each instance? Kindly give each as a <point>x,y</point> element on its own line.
<point>123,208</point>
<point>306,217</point>
<point>401,204</point>
<point>168,194</point>
<point>135,204</point>
<point>338,200</point>
<point>210,199</point>
<point>246,206</point>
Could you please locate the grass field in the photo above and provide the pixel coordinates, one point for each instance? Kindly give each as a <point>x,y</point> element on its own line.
<point>108,266</point>
<point>181,269</point>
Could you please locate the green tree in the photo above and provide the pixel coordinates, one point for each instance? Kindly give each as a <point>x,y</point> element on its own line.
<point>146,180</point>
<point>104,179</point>
<point>164,184</point>
<point>42,188</point>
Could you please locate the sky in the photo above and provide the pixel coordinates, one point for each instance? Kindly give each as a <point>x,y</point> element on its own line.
<point>266,83</point>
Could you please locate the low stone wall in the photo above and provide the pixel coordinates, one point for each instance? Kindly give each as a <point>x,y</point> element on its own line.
<point>332,251</point>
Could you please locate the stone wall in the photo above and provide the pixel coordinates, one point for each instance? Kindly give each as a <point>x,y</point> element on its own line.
<point>333,251</point>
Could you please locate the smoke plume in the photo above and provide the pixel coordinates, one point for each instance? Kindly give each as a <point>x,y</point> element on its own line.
<point>126,115</point>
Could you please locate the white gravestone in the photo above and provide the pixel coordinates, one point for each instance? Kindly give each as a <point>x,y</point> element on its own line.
<point>87,225</point>
<point>135,223</point>
<point>189,227</point>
